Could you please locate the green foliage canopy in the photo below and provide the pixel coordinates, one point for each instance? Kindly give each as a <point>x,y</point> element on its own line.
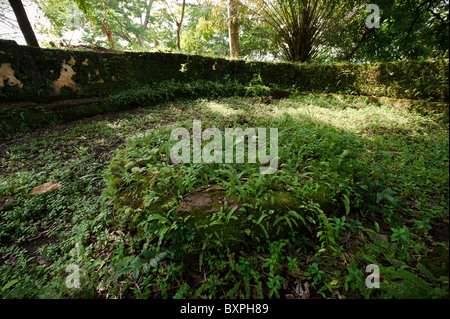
<point>294,30</point>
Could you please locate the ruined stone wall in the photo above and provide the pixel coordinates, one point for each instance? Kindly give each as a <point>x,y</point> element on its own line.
<point>37,84</point>
<point>43,75</point>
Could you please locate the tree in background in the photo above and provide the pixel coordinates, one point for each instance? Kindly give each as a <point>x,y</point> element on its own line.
<point>24,23</point>
<point>336,30</point>
<point>301,27</point>
<point>124,23</point>
<point>408,30</point>
<point>121,21</point>
<point>207,31</point>
<point>177,21</point>
<point>233,27</point>
<point>293,30</point>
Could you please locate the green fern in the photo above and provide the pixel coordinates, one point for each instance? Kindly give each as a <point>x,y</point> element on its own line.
<point>403,284</point>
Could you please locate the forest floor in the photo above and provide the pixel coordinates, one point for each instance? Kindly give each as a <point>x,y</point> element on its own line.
<point>370,183</point>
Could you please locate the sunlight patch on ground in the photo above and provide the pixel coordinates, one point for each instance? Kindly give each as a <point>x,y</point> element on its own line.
<point>358,121</point>
<point>114,125</point>
<point>220,108</point>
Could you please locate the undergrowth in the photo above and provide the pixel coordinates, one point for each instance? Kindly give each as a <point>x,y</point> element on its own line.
<point>358,183</point>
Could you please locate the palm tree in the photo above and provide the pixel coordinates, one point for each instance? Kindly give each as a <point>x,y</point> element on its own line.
<point>302,26</point>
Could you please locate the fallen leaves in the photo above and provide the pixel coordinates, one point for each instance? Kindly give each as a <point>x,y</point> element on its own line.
<point>45,188</point>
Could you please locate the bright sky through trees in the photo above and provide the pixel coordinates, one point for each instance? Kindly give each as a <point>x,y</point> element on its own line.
<point>268,29</point>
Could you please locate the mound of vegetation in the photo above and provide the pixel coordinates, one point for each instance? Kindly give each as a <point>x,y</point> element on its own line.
<point>232,206</point>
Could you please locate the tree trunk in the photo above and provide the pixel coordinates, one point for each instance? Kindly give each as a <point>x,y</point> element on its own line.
<point>24,23</point>
<point>178,36</point>
<point>179,25</point>
<point>233,28</point>
<point>147,14</point>
<point>144,25</point>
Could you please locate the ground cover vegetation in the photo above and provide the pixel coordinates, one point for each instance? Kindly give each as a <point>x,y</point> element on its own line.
<point>93,206</point>
<point>359,182</point>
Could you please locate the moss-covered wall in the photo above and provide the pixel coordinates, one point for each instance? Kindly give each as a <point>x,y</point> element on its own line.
<point>43,75</point>
<point>35,84</point>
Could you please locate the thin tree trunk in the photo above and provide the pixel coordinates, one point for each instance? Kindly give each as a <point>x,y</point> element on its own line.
<point>144,25</point>
<point>179,25</point>
<point>178,36</point>
<point>147,14</point>
<point>24,23</point>
<point>233,28</point>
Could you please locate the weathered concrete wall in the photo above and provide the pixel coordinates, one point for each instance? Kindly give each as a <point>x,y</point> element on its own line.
<point>43,75</point>
<point>40,87</point>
